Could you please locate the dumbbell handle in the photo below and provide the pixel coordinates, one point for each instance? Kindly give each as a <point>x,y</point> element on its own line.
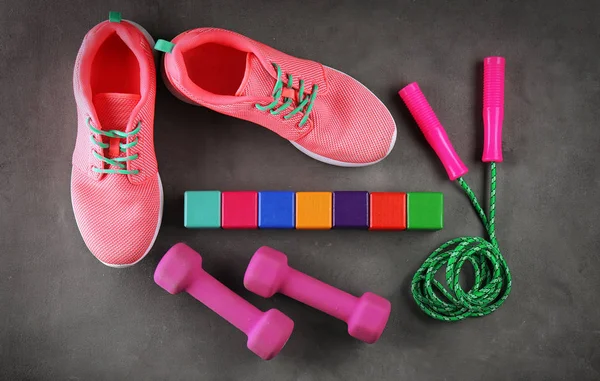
<point>319,295</point>
<point>226,303</point>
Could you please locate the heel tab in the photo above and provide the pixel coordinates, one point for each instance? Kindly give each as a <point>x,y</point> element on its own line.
<point>164,46</point>
<point>114,16</point>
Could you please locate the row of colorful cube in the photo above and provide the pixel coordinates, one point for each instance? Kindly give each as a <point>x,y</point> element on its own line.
<point>314,210</point>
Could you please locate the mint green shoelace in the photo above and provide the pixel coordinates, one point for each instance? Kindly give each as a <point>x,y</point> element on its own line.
<point>304,103</point>
<point>120,162</point>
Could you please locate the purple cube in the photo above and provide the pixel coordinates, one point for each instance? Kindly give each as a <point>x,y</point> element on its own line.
<point>351,210</point>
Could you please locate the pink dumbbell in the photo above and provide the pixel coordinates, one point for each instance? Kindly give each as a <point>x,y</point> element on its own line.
<point>181,270</point>
<point>269,273</point>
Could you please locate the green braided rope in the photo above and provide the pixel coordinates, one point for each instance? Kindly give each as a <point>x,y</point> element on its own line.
<point>492,283</point>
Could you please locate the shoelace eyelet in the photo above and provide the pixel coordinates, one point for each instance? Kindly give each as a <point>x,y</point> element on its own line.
<point>119,162</point>
<point>304,103</point>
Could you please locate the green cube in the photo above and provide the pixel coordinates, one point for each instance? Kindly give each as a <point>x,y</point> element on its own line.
<point>202,209</point>
<point>424,211</point>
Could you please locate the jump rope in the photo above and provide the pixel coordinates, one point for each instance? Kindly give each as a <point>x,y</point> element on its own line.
<point>492,283</point>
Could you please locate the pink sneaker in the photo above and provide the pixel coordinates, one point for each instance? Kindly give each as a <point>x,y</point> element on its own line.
<point>324,113</point>
<point>115,187</point>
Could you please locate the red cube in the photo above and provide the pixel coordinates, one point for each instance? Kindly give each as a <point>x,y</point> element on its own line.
<point>388,211</point>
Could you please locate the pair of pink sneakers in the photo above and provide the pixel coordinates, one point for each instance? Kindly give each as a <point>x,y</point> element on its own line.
<point>115,186</point>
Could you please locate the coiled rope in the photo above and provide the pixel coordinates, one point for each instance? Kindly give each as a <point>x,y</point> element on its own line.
<point>492,283</point>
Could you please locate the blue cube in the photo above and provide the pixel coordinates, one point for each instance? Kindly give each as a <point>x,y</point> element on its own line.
<point>276,210</point>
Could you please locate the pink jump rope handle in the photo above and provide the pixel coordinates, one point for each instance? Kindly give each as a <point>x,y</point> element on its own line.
<point>433,130</point>
<point>493,108</point>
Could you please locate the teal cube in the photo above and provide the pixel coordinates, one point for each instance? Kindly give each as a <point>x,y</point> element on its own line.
<point>202,209</point>
<point>424,211</point>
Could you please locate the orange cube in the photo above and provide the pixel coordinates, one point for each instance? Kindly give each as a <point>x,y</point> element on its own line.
<point>314,210</point>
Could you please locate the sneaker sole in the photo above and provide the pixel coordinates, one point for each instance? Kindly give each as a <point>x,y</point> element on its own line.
<point>342,163</point>
<point>160,214</point>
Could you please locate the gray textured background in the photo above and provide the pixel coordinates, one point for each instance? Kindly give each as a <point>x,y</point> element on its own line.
<point>65,316</point>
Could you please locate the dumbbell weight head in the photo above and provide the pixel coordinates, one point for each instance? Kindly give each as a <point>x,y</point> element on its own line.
<point>270,334</point>
<point>266,272</point>
<point>369,318</point>
<point>181,270</point>
<point>177,268</point>
<point>366,317</point>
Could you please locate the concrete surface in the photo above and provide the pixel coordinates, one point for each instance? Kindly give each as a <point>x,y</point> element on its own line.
<point>65,316</point>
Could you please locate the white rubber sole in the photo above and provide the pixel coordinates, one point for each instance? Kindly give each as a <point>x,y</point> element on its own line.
<point>159,222</point>
<point>160,214</point>
<point>145,33</point>
<point>342,163</point>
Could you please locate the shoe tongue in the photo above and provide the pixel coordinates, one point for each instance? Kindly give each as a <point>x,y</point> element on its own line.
<point>257,81</point>
<point>114,109</point>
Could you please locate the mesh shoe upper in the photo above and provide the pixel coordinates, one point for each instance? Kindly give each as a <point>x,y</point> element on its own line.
<point>114,81</point>
<point>348,124</point>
